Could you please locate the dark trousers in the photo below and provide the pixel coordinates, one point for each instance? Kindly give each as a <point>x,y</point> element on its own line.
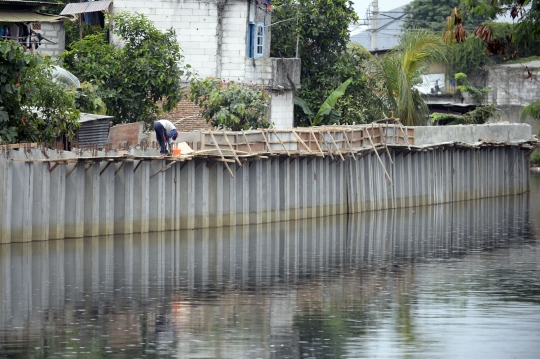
<point>161,137</point>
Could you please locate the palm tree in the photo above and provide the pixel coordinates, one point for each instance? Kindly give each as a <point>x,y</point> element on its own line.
<point>395,74</point>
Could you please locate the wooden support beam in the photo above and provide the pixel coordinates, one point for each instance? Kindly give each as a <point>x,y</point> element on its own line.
<point>382,164</point>
<point>221,154</point>
<point>53,167</point>
<point>119,168</point>
<point>301,141</point>
<point>334,142</point>
<point>71,170</point>
<point>200,164</point>
<point>282,144</point>
<point>247,142</point>
<point>88,165</point>
<point>163,169</point>
<point>349,144</point>
<point>232,149</point>
<point>317,142</point>
<point>138,164</point>
<point>104,168</point>
<point>267,144</point>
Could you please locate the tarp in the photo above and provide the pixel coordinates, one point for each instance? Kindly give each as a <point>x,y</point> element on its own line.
<point>28,16</point>
<point>82,7</point>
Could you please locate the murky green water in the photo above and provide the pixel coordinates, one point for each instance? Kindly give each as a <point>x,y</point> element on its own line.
<point>452,281</point>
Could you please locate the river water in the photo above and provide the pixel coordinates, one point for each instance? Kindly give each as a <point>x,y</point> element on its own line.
<point>457,280</point>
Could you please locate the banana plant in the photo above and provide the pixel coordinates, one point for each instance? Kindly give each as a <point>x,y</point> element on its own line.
<point>327,108</point>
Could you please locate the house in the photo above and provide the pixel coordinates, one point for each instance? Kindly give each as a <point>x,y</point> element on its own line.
<point>41,32</point>
<point>226,39</point>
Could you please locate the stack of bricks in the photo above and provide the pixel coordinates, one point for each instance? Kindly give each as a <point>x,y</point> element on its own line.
<point>186,117</point>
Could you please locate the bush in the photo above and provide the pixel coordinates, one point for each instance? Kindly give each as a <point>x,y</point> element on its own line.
<point>535,159</point>
<point>131,80</point>
<point>33,108</point>
<point>229,104</point>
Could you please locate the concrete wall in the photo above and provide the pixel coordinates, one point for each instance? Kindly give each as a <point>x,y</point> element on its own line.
<point>56,33</point>
<point>499,132</point>
<point>282,109</point>
<point>37,204</point>
<point>513,87</point>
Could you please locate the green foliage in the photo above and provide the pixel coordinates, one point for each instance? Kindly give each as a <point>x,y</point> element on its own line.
<point>477,116</point>
<point>88,100</point>
<point>321,28</point>
<point>229,104</point>
<point>395,74</point>
<point>532,110</point>
<point>32,106</point>
<point>428,14</point>
<point>479,95</point>
<point>527,19</point>
<point>327,108</point>
<point>467,56</point>
<point>73,31</point>
<point>131,80</point>
<point>535,159</point>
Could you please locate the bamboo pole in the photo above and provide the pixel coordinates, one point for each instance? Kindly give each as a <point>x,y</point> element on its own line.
<point>377,153</point>
<point>221,153</point>
<point>232,149</point>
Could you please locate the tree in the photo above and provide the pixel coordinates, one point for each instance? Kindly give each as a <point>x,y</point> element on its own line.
<point>134,79</point>
<point>229,104</point>
<point>395,74</point>
<point>319,30</point>
<point>526,14</point>
<point>32,106</point>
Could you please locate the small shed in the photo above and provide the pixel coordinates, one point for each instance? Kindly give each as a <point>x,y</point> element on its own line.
<point>37,31</point>
<point>94,130</point>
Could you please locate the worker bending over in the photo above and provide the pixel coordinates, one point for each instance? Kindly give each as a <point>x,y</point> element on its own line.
<point>165,132</point>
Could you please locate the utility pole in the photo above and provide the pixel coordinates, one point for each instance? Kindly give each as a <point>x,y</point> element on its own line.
<point>374,19</point>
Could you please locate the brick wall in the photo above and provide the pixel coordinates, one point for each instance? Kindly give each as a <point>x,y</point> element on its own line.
<point>186,117</point>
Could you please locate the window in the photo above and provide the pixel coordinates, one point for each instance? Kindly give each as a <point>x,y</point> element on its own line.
<point>255,40</point>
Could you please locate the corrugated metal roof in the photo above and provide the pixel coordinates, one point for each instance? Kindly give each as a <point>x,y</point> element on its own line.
<point>28,16</point>
<point>94,130</point>
<point>29,2</point>
<point>82,7</point>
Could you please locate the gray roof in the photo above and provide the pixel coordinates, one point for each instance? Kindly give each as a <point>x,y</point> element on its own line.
<point>389,27</point>
<point>29,2</point>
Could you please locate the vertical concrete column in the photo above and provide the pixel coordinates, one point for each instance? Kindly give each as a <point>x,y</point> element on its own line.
<point>170,197</point>
<point>5,282</point>
<point>202,188</point>
<point>320,184</point>
<point>285,192</point>
<point>188,192</point>
<point>91,198</point>
<point>294,189</point>
<point>141,197</point>
<point>219,195</point>
<point>157,198</point>
<point>313,187</point>
<point>178,206</point>
<point>242,194</point>
<point>229,197</point>
<point>268,193</point>
<point>57,202</point>
<point>75,184</point>
<point>6,193</point>
<point>106,199</point>
<point>256,189</point>
<point>276,188</point>
<point>304,185</point>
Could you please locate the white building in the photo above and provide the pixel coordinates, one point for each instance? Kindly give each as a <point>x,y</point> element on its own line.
<point>227,39</point>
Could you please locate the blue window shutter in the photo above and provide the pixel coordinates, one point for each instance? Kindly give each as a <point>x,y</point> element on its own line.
<point>251,40</point>
<point>259,41</point>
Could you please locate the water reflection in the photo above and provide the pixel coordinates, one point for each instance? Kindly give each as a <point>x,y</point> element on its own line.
<point>402,283</point>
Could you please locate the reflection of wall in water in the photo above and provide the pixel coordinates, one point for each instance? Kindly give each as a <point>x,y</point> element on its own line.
<point>183,280</point>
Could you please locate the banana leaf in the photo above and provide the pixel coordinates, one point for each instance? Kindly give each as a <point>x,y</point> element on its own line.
<point>330,102</point>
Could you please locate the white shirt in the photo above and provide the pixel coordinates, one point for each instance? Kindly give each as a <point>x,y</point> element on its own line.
<point>167,125</point>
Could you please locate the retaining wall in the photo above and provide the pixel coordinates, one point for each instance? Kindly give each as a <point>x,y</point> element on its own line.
<point>37,204</point>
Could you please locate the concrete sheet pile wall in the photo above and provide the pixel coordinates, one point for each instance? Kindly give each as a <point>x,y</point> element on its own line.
<point>39,202</point>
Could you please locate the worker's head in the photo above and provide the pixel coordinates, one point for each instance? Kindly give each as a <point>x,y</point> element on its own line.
<point>174,135</point>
